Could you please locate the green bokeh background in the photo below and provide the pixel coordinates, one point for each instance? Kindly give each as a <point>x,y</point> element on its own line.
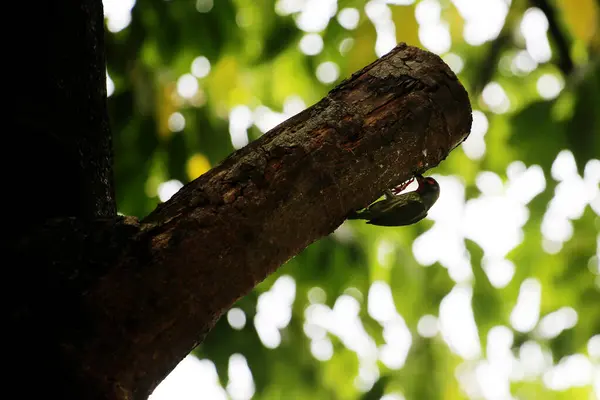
<point>255,61</point>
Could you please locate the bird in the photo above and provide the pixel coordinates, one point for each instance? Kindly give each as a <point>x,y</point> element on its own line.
<point>402,209</point>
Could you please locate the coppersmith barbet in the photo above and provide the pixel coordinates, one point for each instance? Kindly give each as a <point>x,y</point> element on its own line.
<point>404,209</point>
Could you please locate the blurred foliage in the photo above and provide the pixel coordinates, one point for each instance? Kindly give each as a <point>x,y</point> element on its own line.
<point>165,128</point>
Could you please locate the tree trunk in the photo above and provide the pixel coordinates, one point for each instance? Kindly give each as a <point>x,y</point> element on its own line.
<point>103,307</point>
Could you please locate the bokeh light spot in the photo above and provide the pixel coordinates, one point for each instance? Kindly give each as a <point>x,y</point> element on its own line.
<point>328,72</point>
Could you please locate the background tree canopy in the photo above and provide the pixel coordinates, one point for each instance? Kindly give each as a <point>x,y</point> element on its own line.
<point>496,294</point>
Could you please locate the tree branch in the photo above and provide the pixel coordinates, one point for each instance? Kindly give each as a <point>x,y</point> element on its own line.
<point>155,293</point>
<point>565,62</point>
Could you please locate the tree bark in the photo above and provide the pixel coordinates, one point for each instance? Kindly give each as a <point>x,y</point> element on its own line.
<point>116,302</point>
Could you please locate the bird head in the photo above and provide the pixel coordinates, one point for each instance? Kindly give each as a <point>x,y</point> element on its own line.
<point>429,189</point>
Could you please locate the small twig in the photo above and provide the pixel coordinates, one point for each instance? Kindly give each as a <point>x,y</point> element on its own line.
<point>565,62</point>
<point>490,63</point>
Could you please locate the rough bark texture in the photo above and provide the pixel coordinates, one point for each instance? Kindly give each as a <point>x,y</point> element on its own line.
<point>60,117</point>
<point>115,303</point>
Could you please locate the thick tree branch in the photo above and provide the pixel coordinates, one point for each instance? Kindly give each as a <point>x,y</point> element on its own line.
<point>157,287</point>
